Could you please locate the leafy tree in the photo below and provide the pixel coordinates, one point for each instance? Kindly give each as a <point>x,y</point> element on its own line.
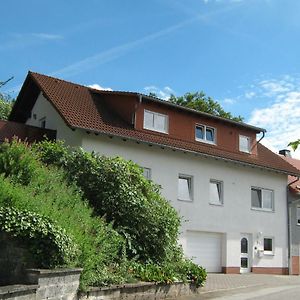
<point>199,101</point>
<point>294,144</point>
<point>6,104</point>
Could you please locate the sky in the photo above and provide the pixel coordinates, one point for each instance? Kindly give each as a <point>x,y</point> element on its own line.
<point>243,53</point>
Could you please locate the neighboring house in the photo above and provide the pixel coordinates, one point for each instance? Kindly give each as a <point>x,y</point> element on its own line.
<point>294,213</point>
<point>230,189</point>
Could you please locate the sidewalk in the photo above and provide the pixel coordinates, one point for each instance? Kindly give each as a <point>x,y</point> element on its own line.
<point>232,286</point>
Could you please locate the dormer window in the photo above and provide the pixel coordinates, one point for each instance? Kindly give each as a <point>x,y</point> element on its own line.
<point>155,121</point>
<point>244,142</point>
<point>205,134</point>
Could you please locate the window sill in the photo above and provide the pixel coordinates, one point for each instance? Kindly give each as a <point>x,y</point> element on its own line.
<point>154,130</point>
<point>216,204</point>
<point>206,142</point>
<point>263,210</point>
<point>269,253</point>
<point>185,200</point>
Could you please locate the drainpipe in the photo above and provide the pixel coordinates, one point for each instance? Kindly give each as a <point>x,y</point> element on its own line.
<point>288,202</point>
<point>263,135</point>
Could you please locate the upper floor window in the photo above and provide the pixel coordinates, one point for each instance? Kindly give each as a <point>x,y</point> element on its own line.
<point>155,121</point>
<point>262,199</point>
<point>42,122</point>
<point>244,142</point>
<point>215,192</point>
<point>205,133</point>
<point>185,188</point>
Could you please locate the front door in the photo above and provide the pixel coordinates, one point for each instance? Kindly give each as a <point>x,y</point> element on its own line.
<point>245,255</point>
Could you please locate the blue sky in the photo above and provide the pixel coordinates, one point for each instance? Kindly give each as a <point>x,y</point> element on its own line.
<point>243,53</point>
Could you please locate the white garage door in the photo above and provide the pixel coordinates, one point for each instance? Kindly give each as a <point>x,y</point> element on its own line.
<point>205,249</point>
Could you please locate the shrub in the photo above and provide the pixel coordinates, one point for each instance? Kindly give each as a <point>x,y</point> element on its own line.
<point>48,243</point>
<point>118,191</point>
<point>45,192</point>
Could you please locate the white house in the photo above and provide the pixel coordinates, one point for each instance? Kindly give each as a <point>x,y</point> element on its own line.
<point>230,189</point>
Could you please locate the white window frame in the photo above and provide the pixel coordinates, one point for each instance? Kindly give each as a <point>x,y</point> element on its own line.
<point>262,199</point>
<point>298,215</point>
<point>153,128</point>
<point>204,140</point>
<point>147,173</point>
<point>221,196</point>
<point>189,179</point>
<point>268,252</point>
<point>248,150</point>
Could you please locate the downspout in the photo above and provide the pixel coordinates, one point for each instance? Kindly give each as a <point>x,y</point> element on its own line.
<point>288,202</point>
<point>263,132</point>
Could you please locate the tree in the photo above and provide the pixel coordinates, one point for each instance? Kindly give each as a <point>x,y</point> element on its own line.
<point>294,144</point>
<point>6,102</point>
<point>199,101</point>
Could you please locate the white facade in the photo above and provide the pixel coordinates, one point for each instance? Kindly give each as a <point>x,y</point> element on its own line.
<point>221,225</point>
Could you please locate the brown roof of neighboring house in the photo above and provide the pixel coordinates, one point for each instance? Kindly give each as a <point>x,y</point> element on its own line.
<point>79,108</point>
<point>294,185</point>
<point>10,130</point>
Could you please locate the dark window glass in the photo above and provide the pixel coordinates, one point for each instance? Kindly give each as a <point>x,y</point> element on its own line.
<point>244,262</point>
<point>210,134</point>
<point>256,198</point>
<point>244,245</point>
<point>200,132</point>
<point>268,244</point>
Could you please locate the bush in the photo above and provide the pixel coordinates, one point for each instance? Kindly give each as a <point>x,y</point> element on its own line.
<point>48,243</point>
<point>118,191</point>
<point>44,192</point>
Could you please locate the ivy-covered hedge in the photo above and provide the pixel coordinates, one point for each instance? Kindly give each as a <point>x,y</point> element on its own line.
<point>48,243</point>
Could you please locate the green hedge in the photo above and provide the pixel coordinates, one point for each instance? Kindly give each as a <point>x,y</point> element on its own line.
<point>47,242</point>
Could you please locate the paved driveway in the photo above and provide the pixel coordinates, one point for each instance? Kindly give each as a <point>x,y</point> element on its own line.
<point>249,286</point>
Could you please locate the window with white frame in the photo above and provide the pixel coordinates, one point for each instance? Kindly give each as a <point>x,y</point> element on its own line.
<point>244,143</point>
<point>205,134</point>
<point>268,245</point>
<point>215,192</point>
<point>185,192</point>
<point>155,121</point>
<point>147,173</point>
<point>298,215</point>
<point>262,199</point>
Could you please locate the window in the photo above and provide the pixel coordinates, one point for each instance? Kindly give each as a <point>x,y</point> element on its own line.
<point>268,246</point>
<point>205,133</point>
<point>262,199</point>
<point>298,215</point>
<point>155,121</point>
<point>147,173</point>
<point>185,188</point>
<point>244,143</point>
<point>215,192</point>
<point>42,122</point>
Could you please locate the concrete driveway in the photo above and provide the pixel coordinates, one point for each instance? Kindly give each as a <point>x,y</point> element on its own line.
<point>249,286</point>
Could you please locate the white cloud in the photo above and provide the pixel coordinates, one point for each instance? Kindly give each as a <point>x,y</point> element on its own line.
<point>229,101</point>
<point>96,86</point>
<point>163,93</point>
<point>250,95</point>
<point>281,119</point>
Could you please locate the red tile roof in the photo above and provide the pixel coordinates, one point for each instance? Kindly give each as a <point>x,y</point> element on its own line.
<point>10,130</point>
<point>81,107</point>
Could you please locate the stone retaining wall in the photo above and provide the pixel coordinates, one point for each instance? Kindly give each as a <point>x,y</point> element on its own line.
<point>62,284</point>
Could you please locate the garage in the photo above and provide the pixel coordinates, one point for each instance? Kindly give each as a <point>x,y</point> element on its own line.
<point>205,249</point>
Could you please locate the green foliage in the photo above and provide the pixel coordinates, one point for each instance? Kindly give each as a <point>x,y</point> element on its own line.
<point>199,101</point>
<point>6,104</point>
<point>294,144</point>
<point>119,192</point>
<point>120,195</point>
<point>46,193</point>
<point>48,243</point>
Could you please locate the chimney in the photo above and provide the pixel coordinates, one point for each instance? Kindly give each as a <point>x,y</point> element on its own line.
<point>285,152</point>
